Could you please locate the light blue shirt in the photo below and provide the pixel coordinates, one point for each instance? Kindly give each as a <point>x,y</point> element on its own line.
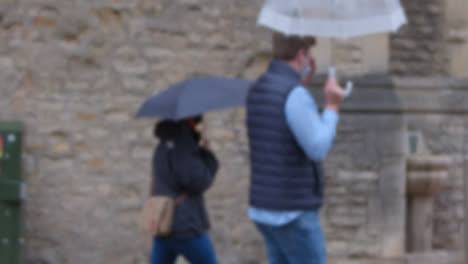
<point>314,133</point>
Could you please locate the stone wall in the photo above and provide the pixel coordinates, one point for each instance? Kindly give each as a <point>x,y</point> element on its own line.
<point>76,71</point>
<point>435,43</point>
<point>456,37</point>
<point>443,135</point>
<point>365,183</point>
<point>368,55</point>
<point>419,48</point>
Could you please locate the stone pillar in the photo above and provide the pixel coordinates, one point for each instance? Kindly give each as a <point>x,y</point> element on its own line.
<point>456,28</point>
<point>356,56</point>
<point>426,175</point>
<point>465,158</point>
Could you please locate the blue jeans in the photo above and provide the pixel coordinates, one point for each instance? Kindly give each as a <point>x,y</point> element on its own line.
<point>300,242</point>
<point>197,250</point>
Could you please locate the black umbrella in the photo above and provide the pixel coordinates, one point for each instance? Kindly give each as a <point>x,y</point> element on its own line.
<point>196,96</point>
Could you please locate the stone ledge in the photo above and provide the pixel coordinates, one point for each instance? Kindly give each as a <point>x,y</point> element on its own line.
<point>380,94</point>
<point>434,257</point>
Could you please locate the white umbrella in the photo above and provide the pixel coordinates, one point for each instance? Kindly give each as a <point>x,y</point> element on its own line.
<point>332,18</point>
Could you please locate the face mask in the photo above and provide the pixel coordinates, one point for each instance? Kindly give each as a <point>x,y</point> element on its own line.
<point>306,71</point>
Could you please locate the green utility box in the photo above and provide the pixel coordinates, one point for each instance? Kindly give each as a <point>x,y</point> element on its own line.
<point>12,192</point>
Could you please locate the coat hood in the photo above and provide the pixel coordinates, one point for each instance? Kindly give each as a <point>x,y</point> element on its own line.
<point>176,131</point>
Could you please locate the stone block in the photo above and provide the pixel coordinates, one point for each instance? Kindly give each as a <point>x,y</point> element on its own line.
<point>158,54</point>
<point>357,176</point>
<point>115,4</point>
<point>133,84</point>
<point>338,248</point>
<point>129,61</point>
<point>116,115</point>
<point>348,221</point>
<point>96,164</point>
<point>45,21</point>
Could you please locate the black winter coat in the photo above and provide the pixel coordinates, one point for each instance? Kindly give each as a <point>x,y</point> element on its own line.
<point>180,165</point>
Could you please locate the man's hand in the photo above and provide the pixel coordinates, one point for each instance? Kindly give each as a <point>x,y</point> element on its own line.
<point>206,144</point>
<point>334,95</point>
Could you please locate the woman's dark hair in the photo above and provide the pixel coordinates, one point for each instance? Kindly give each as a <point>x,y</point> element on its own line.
<point>168,128</point>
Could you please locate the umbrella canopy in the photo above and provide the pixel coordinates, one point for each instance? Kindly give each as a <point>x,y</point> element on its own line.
<point>196,96</point>
<point>332,18</point>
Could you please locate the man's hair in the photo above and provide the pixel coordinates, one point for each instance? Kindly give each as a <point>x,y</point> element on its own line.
<point>286,47</point>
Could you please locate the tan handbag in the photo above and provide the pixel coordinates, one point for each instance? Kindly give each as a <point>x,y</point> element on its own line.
<point>157,215</point>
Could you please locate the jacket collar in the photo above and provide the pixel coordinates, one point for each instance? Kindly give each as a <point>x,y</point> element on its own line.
<point>281,67</point>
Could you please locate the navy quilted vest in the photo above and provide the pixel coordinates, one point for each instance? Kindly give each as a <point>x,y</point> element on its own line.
<point>282,176</point>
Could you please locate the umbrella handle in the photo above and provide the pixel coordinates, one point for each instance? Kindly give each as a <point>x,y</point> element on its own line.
<point>349,88</point>
<point>349,84</point>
